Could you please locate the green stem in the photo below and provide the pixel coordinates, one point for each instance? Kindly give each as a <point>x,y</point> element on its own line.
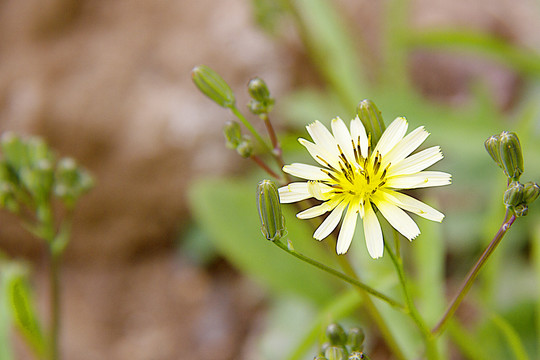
<point>340,275</point>
<point>471,276</point>
<point>55,259</point>
<point>431,346</point>
<point>264,166</point>
<point>251,129</point>
<point>374,312</point>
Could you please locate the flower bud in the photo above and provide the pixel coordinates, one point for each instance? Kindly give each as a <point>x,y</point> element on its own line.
<point>521,210</point>
<point>261,102</point>
<point>258,90</point>
<point>336,334</point>
<point>14,151</point>
<point>355,339</point>
<point>233,134</point>
<point>272,220</point>
<point>530,192</point>
<point>372,119</point>
<point>513,194</point>
<point>245,148</point>
<point>72,181</point>
<point>492,147</point>
<point>335,353</point>
<point>213,86</point>
<point>510,154</point>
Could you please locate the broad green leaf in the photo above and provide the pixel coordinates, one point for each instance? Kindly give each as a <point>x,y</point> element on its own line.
<point>227,211</point>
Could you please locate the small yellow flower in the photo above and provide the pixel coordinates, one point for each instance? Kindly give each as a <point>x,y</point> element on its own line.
<point>353,177</point>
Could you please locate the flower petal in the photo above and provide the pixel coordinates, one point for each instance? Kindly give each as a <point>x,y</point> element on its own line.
<point>397,217</point>
<point>322,137</point>
<point>304,171</point>
<point>347,229</point>
<point>343,138</point>
<point>405,147</point>
<point>317,210</point>
<point>358,133</point>
<point>320,154</point>
<point>391,136</point>
<point>417,162</point>
<point>294,192</point>
<point>419,180</point>
<point>373,233</point>
<point>415,206</point>
<point>330,223</point>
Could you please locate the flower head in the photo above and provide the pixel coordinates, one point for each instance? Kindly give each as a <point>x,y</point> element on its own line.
<point>355,177</point>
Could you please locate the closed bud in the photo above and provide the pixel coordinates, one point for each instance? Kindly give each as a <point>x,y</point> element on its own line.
<point>521,210</point>
<point>511,156</point>
<point>245,148</point>
<point>355,339</point>
<point>213,86</point>
<point>72,181</point>
<point>272,221</point>
<point>335,353</point>
<point>336,334</point>
<point>14,151</point>
<point>513,194</point>
<point>233,134</point>
<point>492,147</point>
<point>530,192</point>
<point>372,119</point>
<point>258,90</point>
<point>38,150</point>
<point>261,102</point>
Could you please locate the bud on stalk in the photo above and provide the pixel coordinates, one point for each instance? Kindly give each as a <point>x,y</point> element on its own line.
<point>272,221</point>
<point>372,119</point>
<point>213,86</point>
<point>510,154</point>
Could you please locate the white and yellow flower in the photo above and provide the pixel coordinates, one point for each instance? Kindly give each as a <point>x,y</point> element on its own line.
<point>353,177</point>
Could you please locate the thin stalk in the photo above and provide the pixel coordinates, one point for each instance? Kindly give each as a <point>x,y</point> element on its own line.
<point>340,275</point>
<point>431,346</point>
<point>374,313</point>
<point>264,166</point>
<point>54,284</point>
<point>273,137</point>
<point>471,276</point>
<point>250,127</point>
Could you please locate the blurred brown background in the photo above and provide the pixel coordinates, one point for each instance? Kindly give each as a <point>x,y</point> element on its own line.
<point>108,82</point>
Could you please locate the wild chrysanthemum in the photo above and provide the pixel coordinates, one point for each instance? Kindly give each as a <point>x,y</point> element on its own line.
<point>355,177</point>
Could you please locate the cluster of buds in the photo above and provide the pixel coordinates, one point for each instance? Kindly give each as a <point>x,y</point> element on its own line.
<point>342,345</point>
<point>269,206</point>
<point>261,102</point>
<point>30,175</point>
<point>236,141</point>
<point>505,150</point>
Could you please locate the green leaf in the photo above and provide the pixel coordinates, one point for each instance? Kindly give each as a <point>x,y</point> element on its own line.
<point>23,311</point>
<point>5,319</point>
<point>226,209</point>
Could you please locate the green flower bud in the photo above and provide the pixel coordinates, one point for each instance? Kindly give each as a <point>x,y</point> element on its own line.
<point>38,179</point>
<point>335,353</point>
<point>336,334</point>
<point>258,90</point>
<point>261,102</point>
<point>372,119</point>
<point>492,147</point>
<point>213,86</point>
<point>7,198</point>
<point>14,151</point>
<point>530,192</point>
<point>72,181</point>
<point>355,339</point>
<point>272,220</point>
<point>513,194</point>
<point>38,150</point>
<point>245,148</point>
<point>233,134</point>
<point>521,210</point>
<point>511,156</point>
